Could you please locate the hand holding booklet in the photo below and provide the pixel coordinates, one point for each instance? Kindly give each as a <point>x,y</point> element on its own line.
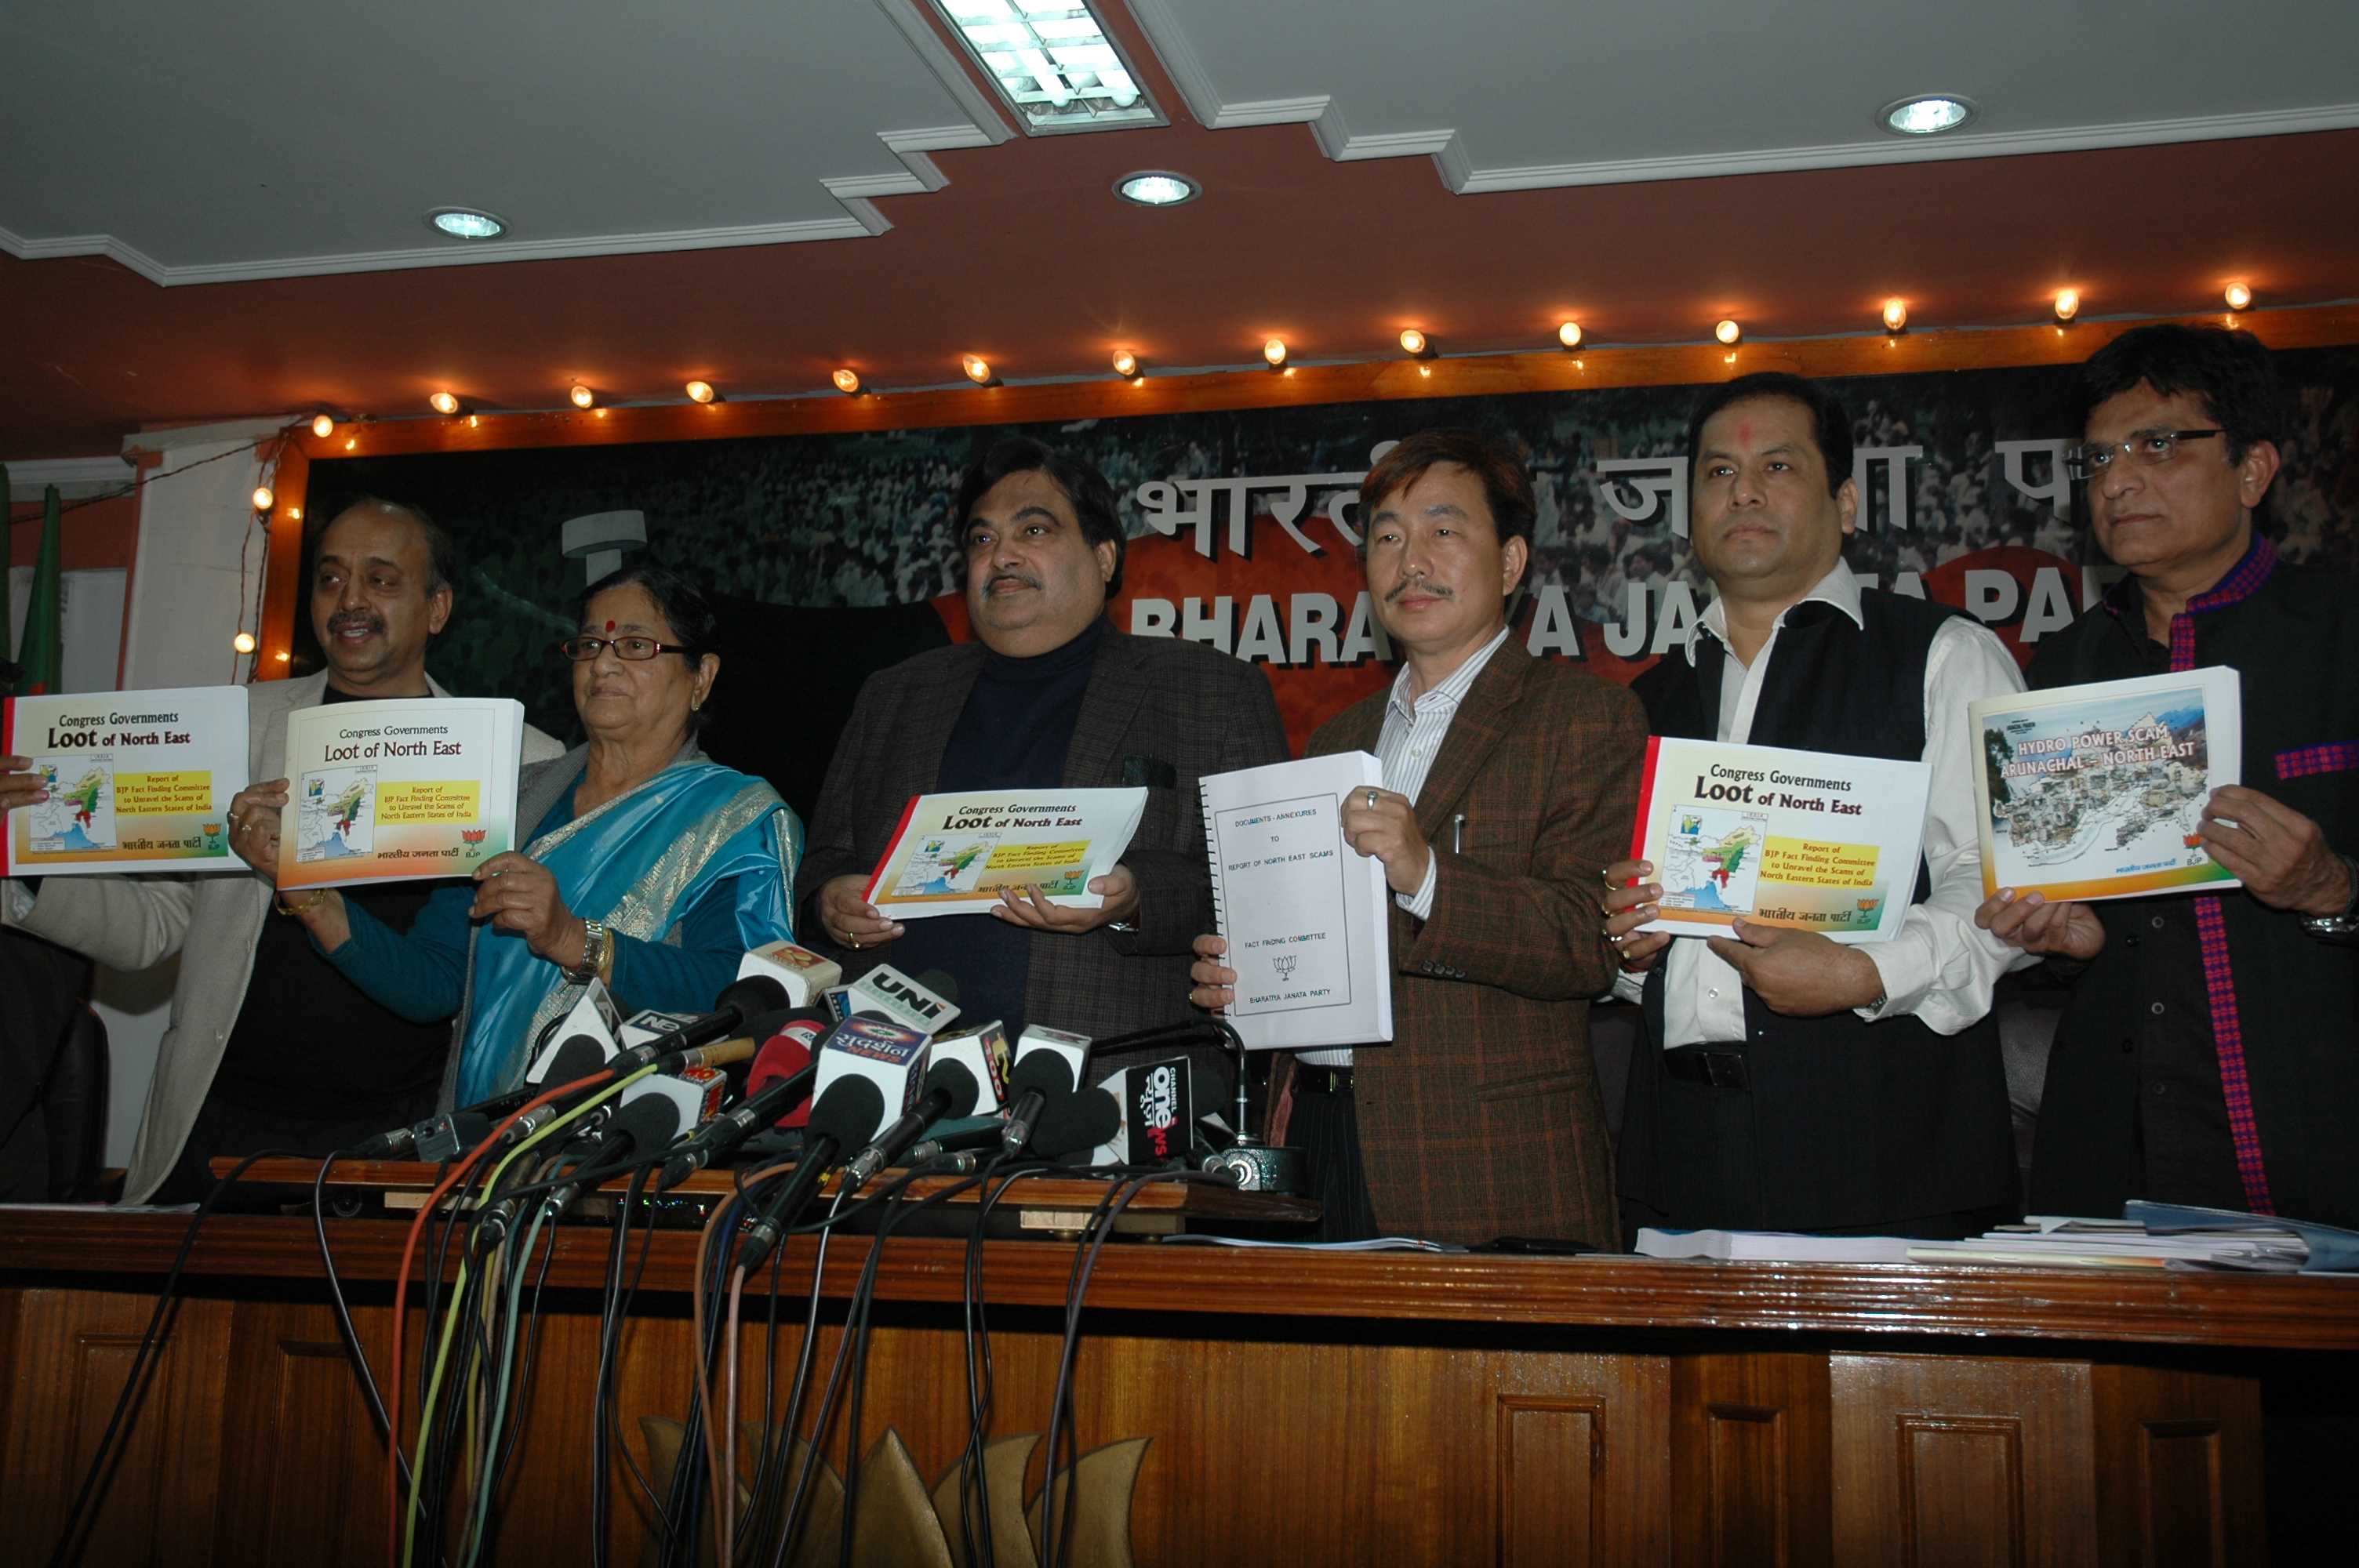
<point>954,854</point>
<point>1304,914</point>
<point>398,789</point>
<point>139,781</point>
<point>1809,840</point>
<point>2097,791</point>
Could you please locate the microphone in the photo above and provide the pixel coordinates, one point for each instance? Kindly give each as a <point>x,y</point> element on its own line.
<point>759,1108</point>
<point>924,1004</point>
<point>645,1125</point>
<point>646,1122</point>
<point>849,1110</point>
<point>983,1051</point>
<point>950,1090</point>
<point>742,1000</point>
<point>793,1047</point>
<point>1081,1120</point>
<point>446,1135</point>
<point>1038,1079</point>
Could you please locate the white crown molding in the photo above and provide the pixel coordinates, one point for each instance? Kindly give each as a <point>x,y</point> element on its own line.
<point>74,477</point>
<point>1468,181</point>
<point>221,432</point>
<point>918,176</point>
<point>950,71</point>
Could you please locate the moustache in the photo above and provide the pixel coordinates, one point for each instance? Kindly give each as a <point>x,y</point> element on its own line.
<point>1026,579</point>
<point>1439,591</point>
<point>366,620</point>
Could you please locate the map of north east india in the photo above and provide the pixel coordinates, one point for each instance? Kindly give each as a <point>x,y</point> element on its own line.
<point>1711,858</point>
<point>337,815</point>
<point>80,813</point>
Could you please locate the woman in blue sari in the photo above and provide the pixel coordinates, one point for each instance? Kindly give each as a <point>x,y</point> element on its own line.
<point>645,864</point>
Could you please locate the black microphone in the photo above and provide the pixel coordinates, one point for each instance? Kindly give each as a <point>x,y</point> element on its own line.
<point>444,1137</point>
<point>734,1126</point>
<point>1080,1120</point>
<point>645,1127</point>
<point>961,1141</point>
<point>743,1000</point>
<point>950,1090</point>
<point>1038,1079</point>
<point>851,1109</point>
<point>648,1122</point>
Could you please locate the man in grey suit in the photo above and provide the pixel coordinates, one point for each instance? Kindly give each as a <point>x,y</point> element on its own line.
<point>1049,696</point>
<point>270,1046</point>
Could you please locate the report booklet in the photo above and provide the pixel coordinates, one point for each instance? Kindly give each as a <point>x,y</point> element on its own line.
<point>401,789</point>
<point>954,853</point>
<point>139,781</point>
<point>1306,916</point>
<point>1809,840</point>
<point>2097,791</point>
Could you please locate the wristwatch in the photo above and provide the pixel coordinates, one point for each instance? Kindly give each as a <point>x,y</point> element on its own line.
<point>593,953</point>
<point>2343,927</point>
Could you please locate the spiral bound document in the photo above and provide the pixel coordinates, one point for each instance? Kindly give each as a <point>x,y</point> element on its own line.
<point>1305,914</point>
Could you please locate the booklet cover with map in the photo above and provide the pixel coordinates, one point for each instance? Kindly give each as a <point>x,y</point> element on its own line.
<point>1304,912</point>
<point>397,789</point>
<point>954,853</point>
<point>2097,791</point>
<point>139,781</point>
<point>1809,840</point>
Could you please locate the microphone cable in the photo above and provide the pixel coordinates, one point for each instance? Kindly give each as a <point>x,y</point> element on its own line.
<point>66,1551</point>
<point>401,1524</point>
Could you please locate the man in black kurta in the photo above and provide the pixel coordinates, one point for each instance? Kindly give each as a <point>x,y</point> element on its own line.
<point>2210,1054</point>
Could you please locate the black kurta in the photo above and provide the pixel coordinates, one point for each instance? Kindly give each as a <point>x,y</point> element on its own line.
<point>2138,1104</point>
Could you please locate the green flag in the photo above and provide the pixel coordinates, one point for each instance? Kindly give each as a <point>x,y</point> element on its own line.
<point>43,654</point>
<point>9,517</point>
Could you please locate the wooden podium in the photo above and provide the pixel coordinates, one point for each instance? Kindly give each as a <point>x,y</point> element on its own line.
<point>1302,1407</point>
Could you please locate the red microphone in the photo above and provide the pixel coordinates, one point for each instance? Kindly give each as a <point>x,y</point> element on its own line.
<point>783,1055</point>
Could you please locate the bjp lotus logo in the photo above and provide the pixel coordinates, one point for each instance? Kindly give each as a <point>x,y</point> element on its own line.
<point>213,838</point>
<point>474,837</point>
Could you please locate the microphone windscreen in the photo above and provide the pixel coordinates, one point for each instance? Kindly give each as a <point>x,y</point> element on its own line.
<point>939,982</point>
<point>753,994</point>
<point>850,1112</point>
<point>953,1079</point>
<point>1082,1121</point>
<point>578,1057</point>
<point>644,1127</point>
<point>800,1033</point>
<point>1044,1070</point>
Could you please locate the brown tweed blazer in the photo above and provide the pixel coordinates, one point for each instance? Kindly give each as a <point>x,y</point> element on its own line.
<point>1483,1117</point>
<point>1157,711</point>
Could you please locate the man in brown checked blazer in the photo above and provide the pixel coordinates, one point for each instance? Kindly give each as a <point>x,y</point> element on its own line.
<point>1051,695</point>
<point>1512,782</point>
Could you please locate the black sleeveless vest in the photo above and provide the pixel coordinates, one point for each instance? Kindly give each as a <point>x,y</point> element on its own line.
<point>1856,1123</point>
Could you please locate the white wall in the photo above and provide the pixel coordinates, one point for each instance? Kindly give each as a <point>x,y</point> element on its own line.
<point>188,585</point>
<point>93,622</point>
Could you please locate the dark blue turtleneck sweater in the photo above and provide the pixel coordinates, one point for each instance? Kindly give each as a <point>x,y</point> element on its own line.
<point>1013,734</point>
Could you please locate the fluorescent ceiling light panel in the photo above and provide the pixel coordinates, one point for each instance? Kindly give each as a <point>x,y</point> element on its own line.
<point>1056,66</point>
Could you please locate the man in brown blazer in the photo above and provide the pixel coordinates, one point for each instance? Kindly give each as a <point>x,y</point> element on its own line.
<point>1512,782</point>
<point>1051,695</point>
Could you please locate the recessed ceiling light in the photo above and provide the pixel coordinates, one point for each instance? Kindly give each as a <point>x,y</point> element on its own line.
<point>1055,64</point>
<point>1157,187</point>
<point>467,223</point>
<point>1928,114</point>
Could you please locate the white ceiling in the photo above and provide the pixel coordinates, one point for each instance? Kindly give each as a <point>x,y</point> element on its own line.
<point>1518,94</point>
<point>266,138</point>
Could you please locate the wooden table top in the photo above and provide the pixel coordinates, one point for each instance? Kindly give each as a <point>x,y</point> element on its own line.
<point>2285,1312</point>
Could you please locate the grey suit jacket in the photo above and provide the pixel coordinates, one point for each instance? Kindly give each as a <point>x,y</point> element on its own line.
<point>211,921</point>
<point>1157,711</point>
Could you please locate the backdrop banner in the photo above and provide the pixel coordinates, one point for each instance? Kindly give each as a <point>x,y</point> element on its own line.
<point>1244,525</point>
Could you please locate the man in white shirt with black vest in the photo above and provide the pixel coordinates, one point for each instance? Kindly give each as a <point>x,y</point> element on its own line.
<point>1795,1083</point>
